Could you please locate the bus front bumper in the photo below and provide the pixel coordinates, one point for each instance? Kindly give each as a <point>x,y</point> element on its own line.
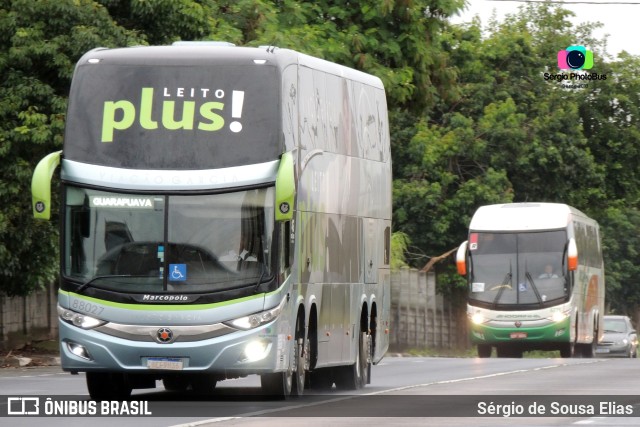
<point>260,350</point>
<point>509,333</point>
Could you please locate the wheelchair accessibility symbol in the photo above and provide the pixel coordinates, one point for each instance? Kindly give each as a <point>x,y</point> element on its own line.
<point>177,272</point>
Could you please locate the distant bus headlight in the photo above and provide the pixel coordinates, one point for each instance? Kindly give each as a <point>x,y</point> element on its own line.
<point>257,319</point>
<point>78,319</point>
<point>558,316</point>
<point>477,318</point>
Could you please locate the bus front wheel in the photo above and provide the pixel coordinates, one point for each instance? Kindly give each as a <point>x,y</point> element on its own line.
<point>484,350</point>
<point>567,350</point>
<point>290,382</point>
<point>277,385</point>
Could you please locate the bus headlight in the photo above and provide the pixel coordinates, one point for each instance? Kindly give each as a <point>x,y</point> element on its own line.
<point>558,316</point>
<point>78,319</point>
<point>256,350</point>
<point>477,318</point>
<point>257,319</point>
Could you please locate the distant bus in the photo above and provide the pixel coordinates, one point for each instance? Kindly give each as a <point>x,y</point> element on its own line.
<point>226,211</point>
<point>535,280</point>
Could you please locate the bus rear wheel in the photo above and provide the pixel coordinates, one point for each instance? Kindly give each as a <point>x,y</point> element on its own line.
<point>354,377</point>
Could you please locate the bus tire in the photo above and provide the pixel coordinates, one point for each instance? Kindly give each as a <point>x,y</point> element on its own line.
<point>280,385</point>
<point>589,350</point>
<point>300,359</point>
<point>277,385</point>
<point>567,350</point>
<point>352,377</point>
<point>484,350</point>
<point>108,386</point>
<point>365,358</point>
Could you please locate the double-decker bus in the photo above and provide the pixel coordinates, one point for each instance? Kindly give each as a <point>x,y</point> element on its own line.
<point>535,280</point>
<point>225,211</point>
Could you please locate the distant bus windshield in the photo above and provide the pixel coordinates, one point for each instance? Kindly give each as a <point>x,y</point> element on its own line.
<point>511,269</point>
<point>192,243</point>
<point>173,117</point>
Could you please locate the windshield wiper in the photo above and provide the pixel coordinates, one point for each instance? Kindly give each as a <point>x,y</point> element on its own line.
<point>506,282</point>
<point>263,269</point>
<point>533,285</point>
<point>88,283</point>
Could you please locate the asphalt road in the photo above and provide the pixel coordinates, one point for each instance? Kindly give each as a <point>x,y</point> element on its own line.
<point>405,391</point>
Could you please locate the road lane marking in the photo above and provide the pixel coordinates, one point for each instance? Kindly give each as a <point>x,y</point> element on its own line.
<point>498,374</point>
<point>341,398</point>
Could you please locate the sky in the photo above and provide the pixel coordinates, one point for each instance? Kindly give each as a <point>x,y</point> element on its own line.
<point>620,20</point>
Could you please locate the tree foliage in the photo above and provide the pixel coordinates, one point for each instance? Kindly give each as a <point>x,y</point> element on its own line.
<point>39,46</point>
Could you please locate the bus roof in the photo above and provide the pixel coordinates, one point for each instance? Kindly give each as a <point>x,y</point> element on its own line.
<point>525,217</point>
<point>203,54</point>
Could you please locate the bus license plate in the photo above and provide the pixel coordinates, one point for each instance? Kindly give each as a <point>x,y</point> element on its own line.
<point>518,335</point>
<point>168,363</point>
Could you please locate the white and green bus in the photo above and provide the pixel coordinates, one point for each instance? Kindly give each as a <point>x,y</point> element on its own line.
<point>535,280</point>
<point>225,211</point>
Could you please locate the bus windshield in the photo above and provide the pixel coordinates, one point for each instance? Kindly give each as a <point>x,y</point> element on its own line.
<point>515,269</point>
<point>168,243</point>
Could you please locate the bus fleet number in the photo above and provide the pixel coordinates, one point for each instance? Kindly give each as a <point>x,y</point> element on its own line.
<point>86,307</point>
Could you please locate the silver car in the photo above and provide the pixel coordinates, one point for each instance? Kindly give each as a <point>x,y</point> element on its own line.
<point>620,339</point>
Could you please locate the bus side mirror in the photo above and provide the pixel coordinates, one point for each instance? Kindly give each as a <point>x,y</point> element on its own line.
<point>41,185</point>
<point>572,255</point>
<point>461,258</point>
<point>285,188</point>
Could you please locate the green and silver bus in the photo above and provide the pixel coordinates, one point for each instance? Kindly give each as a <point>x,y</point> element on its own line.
<point>225,211</point>
<point>535,280</point>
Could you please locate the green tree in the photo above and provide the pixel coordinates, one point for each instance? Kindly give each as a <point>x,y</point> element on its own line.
<point>164,21</point>
<point>509,136</point>
<point>621,246</point>
<point>39,45</point>
<point>610,112</point>
<point>394,40</point>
